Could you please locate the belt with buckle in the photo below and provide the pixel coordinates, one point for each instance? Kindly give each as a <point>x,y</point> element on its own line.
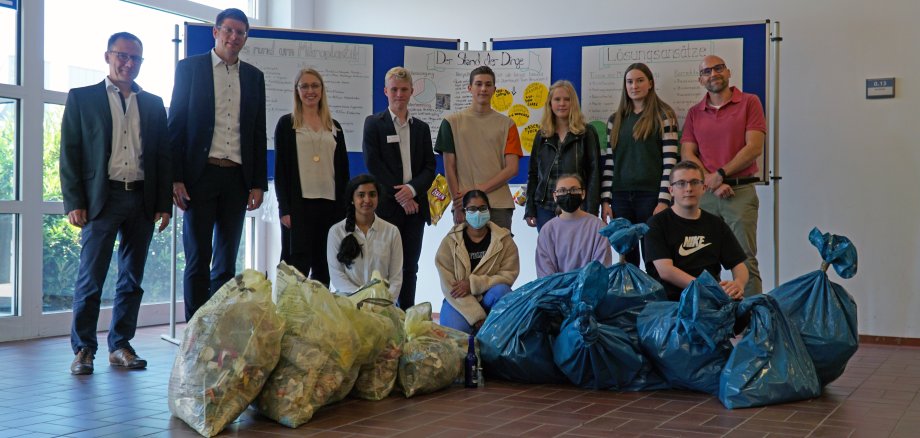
<point>222,162</point>
<point>128,186</point>
<point>740,181</point>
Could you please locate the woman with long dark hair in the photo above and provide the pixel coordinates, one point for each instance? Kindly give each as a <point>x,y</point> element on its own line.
<point>311,170</point>
<point>364,243</point>
<point>477,263</point>
<point>642,149</point>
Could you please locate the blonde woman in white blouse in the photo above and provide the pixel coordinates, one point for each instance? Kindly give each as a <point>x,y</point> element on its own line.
<point>311,171</point>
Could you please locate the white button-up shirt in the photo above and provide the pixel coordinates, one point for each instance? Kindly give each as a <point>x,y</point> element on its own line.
<point>381,250</point>
<point>225,143</point>
<point>126,162</point>
<point>402,130</point>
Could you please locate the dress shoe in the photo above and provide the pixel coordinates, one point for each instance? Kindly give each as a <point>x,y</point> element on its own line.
<point>125,357</point>
<point>83,362</point>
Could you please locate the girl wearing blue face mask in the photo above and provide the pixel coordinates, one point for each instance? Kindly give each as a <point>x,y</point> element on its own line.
<point>477,262</point>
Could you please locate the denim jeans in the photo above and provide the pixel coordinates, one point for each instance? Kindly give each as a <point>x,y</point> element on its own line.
<point>544,216</point>
<point>122,217</point>
<point>636,207</point>
<point>450,317</point>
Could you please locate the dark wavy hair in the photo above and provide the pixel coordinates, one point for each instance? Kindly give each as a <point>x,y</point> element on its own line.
<point>473,194</point>
<point>349,248</point>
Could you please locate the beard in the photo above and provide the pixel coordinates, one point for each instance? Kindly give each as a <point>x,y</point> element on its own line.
<point>716,86</point>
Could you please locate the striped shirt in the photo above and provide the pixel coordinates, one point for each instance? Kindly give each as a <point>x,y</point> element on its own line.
<point>668,155</point>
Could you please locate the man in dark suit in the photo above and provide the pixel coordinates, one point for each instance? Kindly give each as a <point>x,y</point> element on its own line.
<point>217,132</point>
<point>397,151</point>
<point>115,178</point>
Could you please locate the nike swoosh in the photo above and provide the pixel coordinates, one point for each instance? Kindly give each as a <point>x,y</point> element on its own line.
<point>685,252</point>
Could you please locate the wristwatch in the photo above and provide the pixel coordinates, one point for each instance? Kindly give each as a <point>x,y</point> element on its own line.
<point>721,172</point>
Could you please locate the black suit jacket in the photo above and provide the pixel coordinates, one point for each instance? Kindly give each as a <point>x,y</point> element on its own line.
<point>287,173</point>
<point>191,121</point>
<point>384,161</point>
<point>86,145</point>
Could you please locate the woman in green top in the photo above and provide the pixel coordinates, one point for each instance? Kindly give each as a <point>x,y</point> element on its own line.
<point>641,150</point>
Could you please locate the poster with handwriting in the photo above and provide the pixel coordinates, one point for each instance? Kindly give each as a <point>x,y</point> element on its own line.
<point>441,78</point>
<point>347,74</point>
<point>675,66</point>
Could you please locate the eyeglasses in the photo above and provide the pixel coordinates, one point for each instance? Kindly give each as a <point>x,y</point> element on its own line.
<point>315,86</point>
<point>681,184</point>
<point>230,31</point>
<point>124,57</point>
<point>563,192</point>
<point>474,209</point>
<point>718,68</point>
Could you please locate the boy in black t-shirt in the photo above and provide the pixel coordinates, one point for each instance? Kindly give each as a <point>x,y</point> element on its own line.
<point>684,240</point>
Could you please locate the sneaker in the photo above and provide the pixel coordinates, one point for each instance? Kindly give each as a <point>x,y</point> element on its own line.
<point>83,362</point>
<point>125,357</point>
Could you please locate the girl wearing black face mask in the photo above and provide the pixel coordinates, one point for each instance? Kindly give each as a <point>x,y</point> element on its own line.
<point>571,240</point>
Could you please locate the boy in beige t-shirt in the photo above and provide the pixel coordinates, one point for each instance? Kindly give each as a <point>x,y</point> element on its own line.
<point>481,149</point>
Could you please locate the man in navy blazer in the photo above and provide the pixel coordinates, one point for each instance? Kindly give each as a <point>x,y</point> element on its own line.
<point>116,181</point>
<point>217,132</point>
<point>397,151</point>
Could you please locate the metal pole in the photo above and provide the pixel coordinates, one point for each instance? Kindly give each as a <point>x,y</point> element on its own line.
<point>775,39</point>
<point>171,336</point>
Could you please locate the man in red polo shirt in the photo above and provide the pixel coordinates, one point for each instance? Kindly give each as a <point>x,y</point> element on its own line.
<point>724,133</point>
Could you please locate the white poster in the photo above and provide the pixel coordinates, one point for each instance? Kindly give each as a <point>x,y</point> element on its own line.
<point>347,73</point>
<point>675,66</point>
<point>441,77</point>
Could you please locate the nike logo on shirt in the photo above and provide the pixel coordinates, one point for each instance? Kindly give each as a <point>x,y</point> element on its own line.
<point>691,245</point>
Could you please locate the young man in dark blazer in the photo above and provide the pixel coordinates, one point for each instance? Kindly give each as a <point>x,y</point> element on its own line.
<point>217,132</point>
<point>397,151</point>
<point>116,181</point>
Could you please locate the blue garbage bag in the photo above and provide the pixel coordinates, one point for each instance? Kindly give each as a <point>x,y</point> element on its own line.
<point>629,290</point>
<point>770,364</point>
<point>591,286</point>
<point>516,339</point>
<point>628,287</point>
<point>690,341</point>
<point>823,311</point>
<point>595,356</point>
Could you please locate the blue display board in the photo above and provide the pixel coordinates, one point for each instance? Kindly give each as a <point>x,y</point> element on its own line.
<point>388,53</point>
<point>567,56</point>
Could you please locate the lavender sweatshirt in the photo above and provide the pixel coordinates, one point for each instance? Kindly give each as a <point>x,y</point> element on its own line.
<point>568,244</point>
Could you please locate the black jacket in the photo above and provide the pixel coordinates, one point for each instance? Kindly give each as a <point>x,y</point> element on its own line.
<point>383,160</point>
<point>578,154</point>
<point>287,175</point>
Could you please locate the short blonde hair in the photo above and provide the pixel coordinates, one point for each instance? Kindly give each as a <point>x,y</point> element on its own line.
<point>399,73</point>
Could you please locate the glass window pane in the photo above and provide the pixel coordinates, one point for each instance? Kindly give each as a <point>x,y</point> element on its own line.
<point>61,257</point>
<point>9,127</point>
<point>81,61</point>
<point>8,295</point>
<point>159,265</point>
<point>60,260</point>
<point>9,55</point>
<point>242,5</point>
<point>51,152</point>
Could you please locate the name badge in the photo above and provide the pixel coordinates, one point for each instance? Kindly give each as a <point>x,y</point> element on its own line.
<point>393,138</point>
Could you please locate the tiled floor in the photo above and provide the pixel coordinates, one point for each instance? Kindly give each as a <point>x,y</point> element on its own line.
<point>876,397</point>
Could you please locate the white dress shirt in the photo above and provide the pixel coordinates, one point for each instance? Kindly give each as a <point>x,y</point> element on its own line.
<point>381,250</point>
<point>225,143</point>
<point>126,162</point>
<point>402,131</point>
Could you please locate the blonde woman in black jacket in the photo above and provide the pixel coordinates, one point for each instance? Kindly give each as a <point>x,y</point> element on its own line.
<point>564,145</point>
